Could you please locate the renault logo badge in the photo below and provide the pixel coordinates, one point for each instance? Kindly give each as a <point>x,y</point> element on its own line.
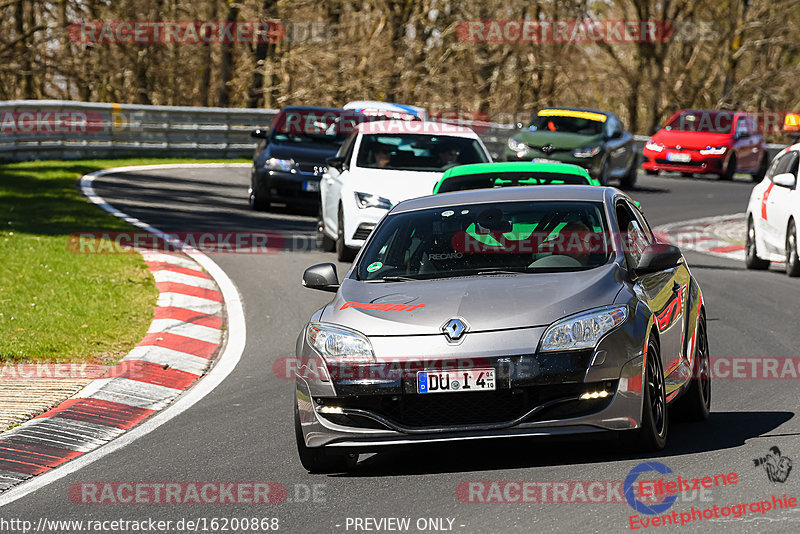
<point>454,329</point>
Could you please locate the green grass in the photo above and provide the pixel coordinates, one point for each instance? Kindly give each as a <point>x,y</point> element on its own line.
<point>57,305</point>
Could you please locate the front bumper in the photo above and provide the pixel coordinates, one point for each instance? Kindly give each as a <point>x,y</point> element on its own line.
<point>536,395</point>
<point>295,188</point>
<point>658,161</point>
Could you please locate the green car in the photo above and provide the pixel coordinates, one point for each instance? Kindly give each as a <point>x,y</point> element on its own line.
<point>489,175</point>
<point>595,140</point>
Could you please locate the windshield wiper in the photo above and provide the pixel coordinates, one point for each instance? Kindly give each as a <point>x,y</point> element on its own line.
<point>393,279</point>
<point>499,271</point>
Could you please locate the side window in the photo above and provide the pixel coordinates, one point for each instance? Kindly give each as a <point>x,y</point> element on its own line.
<point>346,150</point>
<point>618,128</point>
<point>773,168</point>
<point>786,163</point>
<point>633,236</point>
<point>610,127</point>
<point>741,126</point>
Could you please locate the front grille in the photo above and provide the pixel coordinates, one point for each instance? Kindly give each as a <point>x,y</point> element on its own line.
<point>681,163</point>
<point>310,167</point>
<point>363,231</point>
<point>441,410</point>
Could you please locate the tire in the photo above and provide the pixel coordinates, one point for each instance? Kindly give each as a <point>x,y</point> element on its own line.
<point>695,403</point>
<point>319,459</point>
<point>258,201</point>
<point>652,434</point>
<point>343,252</point>
<point>792,262</point>
<point>730,170</point>
<point>762,168</point>
<point>650,172</point>
<point>629,180</point>
<point>751,259</point>
<point>324,243</point>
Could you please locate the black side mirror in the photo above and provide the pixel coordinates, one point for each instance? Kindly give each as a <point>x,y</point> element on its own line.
<point>658,257</point>
<point>336,162</point>
<point>321,276</point>
<point>258,133</point>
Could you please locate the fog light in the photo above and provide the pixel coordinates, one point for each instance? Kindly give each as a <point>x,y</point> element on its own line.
<point>595,395</point>
<point>330,409</point>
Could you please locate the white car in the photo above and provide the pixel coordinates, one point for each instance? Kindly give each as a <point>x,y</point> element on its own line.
<point>773,215</point>
<point>381,164</point>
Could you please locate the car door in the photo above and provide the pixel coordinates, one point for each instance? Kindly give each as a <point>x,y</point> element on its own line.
<point>743,144</point>
<point>781,201</point>
<point>617,146</point>
<point>776,203</point>
<point>331,185</point>
<point>665,292</point>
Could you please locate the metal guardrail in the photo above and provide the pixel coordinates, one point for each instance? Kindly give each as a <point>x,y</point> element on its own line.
<point>64,129</point>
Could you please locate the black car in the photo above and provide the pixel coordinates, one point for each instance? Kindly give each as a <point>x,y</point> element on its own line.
<point>595,140</point>
<point>290,157</point>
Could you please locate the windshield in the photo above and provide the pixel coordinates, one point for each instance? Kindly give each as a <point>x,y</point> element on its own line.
<point>418,152</point>
<point>315,126</point>
<point>702,121</point>
<point>577,124</point>
<point>470,239</point>
<point>505,179</point>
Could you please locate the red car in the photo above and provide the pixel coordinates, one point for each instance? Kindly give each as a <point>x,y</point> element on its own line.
<point>708,141</point>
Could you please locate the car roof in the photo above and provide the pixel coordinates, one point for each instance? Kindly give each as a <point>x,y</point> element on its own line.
<point>460,177</point>
<point>395,126</point>
<point>589,193</point>
<point>515,166</point>
<point>311,108</point>
<point>566,108</point>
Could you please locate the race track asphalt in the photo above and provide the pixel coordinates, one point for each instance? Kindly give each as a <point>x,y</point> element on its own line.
<point>243,430</point>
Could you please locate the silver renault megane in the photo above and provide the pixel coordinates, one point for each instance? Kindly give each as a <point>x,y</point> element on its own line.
<point>500,313</point>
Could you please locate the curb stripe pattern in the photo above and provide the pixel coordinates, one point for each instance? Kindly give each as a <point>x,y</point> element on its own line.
<point>184,337</point>
<point>699,235</point>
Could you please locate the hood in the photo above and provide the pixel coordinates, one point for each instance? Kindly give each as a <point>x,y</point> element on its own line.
<point>688,139</point>
<point>486,303</point>
<point>394,185</point>
<point>558,140</point>
<point>301,153</point>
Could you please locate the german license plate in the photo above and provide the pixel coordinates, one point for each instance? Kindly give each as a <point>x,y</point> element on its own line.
<point>679,158</point>
<point>309,185</point>
<point>455,381</point>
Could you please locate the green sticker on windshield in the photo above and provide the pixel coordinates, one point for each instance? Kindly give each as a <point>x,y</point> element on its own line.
<point>372,267</point>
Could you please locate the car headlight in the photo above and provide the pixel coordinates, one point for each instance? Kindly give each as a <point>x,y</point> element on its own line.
<point>517,146</point>
<point>584,330</point>
<point>655,147</point>
<point>713,150</point>
<point>275,164</point>
<point>365,200</point>
<point>339,344</point>
<point>586,151</point>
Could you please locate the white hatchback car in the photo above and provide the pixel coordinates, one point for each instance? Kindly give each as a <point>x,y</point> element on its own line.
<point>773,215</point>
<point>381,164</point>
